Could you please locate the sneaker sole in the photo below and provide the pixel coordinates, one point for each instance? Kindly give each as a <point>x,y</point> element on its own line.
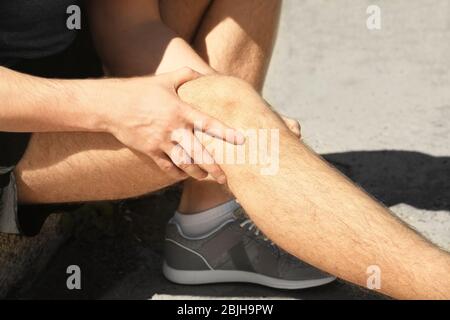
<point>189,277</point>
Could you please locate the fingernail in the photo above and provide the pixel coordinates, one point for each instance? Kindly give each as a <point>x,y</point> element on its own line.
<point>240,138</point>
<point>222,179</point>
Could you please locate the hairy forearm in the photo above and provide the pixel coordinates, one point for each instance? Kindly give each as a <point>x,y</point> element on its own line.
<point>33,104</point>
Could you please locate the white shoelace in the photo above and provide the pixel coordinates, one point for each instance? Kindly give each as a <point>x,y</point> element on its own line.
<point>253,226</point>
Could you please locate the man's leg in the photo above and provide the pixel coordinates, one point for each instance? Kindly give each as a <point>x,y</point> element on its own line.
<point>236,38</point>
<point>184,17</point>
<point>80,167</point>
<point>314,212</point>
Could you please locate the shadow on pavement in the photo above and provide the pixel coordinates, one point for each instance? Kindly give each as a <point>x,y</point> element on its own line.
<point>394,177</point>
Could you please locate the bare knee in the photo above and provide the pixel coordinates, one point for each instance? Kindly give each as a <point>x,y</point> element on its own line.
<point>228,99</point>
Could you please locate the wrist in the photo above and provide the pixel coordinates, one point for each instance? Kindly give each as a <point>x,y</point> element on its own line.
<point>96,99</point>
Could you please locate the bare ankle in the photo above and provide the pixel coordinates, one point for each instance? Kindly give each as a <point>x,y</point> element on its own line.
<point>202,195</point>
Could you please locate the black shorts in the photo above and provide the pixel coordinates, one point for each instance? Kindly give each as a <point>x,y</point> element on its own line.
<point>77,62</point>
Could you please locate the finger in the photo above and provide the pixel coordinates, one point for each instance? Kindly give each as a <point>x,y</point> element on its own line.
<point>293,125</point>
<point>208,164</point>
<point>183,161</point>
<point>200,155</point>
<point>182,76</point>
<point>213,127</point>
<point>209,178</point>
<point>295,128</point>
<point>166,165</point>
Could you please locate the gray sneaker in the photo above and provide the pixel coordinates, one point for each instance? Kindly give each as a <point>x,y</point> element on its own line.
<point>236,251</point>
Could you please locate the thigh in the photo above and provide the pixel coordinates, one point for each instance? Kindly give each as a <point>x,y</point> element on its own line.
<point>183,16</point>
<point>80,167</point>
<point>237,37</point>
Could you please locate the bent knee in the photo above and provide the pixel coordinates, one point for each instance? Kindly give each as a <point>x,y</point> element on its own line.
<point>215,84</point>
<point>225,98</point>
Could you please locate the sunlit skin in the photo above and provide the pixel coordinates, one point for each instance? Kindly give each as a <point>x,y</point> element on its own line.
<point>95,147</point>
